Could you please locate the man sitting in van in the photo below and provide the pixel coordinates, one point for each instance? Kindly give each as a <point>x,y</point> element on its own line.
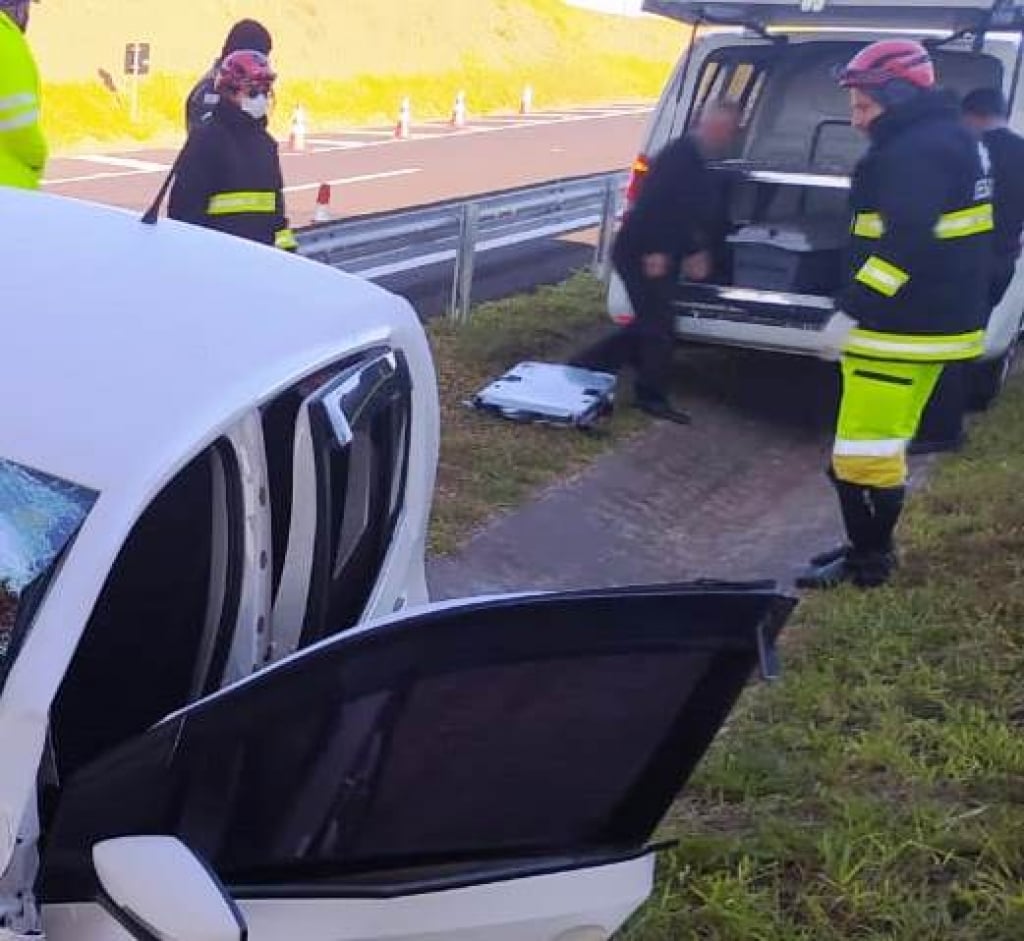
<point>917,295</point>
<point>986,112</point>
<point>676,227</point>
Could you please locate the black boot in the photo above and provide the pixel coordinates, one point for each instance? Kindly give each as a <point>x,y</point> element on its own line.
<point>654,402</point>
<point>832,574</point>
<point>663,410</point>
<point>877,558</point>
<point>870,515</point>
<point>832,555</point>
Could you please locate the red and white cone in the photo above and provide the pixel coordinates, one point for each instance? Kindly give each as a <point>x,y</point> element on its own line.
<point>323,204</point>
<point>526,101</point>
<point>459,111</point>
<point>402,128</point>
<point>297,135</point>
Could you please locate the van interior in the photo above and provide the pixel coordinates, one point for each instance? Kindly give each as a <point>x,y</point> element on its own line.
<point>787,190</point>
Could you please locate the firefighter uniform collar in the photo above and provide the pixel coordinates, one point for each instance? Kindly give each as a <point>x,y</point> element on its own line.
<point>927,106</point>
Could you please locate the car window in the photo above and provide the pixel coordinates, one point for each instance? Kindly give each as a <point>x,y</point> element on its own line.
<point>39,517</point>
<point>160,632</point>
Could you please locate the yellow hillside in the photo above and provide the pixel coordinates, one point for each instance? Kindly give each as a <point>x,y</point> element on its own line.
<point>348,60</point>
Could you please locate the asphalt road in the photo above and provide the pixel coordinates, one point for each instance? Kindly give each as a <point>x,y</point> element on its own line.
<point>370,171</point>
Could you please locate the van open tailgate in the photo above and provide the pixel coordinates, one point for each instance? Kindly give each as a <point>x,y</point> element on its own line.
<point>918,14</point>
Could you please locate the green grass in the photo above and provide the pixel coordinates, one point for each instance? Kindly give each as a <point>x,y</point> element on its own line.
<point>487,465</point>
<point>84,115</point>
<point>347,63</point>
<point>877,791</point>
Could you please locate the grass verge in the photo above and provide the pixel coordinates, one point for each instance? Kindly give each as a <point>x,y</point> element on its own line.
<point>488,465</point>
<point>877,792</point>
<point>85,115</point>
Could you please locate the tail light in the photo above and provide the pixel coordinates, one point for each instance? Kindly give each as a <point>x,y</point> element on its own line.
<point>637,176</point>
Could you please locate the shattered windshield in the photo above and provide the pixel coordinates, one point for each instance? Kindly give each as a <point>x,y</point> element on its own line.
<point>39,516</point>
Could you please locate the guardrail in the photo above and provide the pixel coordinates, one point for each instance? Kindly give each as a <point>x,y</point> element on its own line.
<point>409,240</point>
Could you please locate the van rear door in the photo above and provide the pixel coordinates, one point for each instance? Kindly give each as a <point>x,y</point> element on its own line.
<point>917,14</point>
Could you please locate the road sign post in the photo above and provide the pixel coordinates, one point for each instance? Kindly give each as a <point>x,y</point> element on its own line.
<point>136,64</point>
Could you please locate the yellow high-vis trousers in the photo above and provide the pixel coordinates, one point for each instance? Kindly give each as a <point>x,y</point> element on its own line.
<point>879,415</point>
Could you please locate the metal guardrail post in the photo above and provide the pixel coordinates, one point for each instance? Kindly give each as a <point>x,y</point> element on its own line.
<point>465,259</point>
<point>606,234</point>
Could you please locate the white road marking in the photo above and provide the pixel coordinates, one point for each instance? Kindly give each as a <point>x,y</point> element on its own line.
<point>326,147</point>
<point>112,175</point>
<point>363,178</point>
<point>379,137</point>
<point>125,163</point>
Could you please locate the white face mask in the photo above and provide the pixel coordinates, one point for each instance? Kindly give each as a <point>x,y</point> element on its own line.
<point>257,107</point>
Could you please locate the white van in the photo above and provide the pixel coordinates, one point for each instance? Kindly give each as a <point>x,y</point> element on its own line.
<point>790,181</point>
<point>227,709</point>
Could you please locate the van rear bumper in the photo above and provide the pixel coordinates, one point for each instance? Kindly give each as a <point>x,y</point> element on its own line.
<point>768,320</point>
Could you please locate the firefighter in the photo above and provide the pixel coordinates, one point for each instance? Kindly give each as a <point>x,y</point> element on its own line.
<point>677,226</point>
<point>245,35</point>
<point>23,149</point>
<point>917,293</point>
<point>228,176</point>
<point>985,112</point>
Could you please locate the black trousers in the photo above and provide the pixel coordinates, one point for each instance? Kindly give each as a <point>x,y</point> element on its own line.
<point>943,422</point>
<point>646,344</point>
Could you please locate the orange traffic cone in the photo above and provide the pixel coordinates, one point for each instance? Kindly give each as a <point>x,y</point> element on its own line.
<point>323,204</point>
<point>404,120</point>
<point>297,135</point>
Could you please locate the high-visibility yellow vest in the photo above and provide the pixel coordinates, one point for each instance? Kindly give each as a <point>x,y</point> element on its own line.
<point>23,148</point>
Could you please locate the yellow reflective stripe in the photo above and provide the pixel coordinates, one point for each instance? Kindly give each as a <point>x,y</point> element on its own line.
<point>868,225</point>
<point>973,221</point>
<point>882,277</point>
<point>871,471</point>
<point>285,239</point>
<point>927,349</point>
<point>951,225</point>
<point>224,204</point>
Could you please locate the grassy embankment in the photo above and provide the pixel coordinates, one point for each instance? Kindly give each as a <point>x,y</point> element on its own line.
<point>347,64</point>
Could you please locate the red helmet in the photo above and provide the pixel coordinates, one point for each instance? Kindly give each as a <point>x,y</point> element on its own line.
<point>887,61</point>
<point>245,71</point>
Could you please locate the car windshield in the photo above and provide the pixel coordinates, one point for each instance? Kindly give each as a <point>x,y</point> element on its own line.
<point>39,516</point>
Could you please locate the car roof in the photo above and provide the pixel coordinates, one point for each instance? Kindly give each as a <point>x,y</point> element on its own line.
<point>126,348</point>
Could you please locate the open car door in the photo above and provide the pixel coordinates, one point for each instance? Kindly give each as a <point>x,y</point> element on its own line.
<point>490,771</point>
<point>910,14</point>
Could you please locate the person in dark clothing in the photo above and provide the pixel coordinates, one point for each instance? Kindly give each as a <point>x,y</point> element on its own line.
<point>245,35</point>
<point>676,226</point>
<point>228,176</point>
<point>915,298</point>
<point>985,112</point>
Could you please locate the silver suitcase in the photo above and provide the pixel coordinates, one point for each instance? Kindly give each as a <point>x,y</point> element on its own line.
<point>549,393</point>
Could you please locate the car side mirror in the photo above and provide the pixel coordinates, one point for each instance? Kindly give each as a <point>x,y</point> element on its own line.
<point>157,889</point>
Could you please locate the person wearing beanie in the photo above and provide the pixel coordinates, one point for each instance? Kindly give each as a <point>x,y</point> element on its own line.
<point>916,298</point>
<point>244,36</point>
<point>985,112</point>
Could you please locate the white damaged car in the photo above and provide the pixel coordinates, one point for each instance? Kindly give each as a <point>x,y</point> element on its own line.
<point>227,709</point>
